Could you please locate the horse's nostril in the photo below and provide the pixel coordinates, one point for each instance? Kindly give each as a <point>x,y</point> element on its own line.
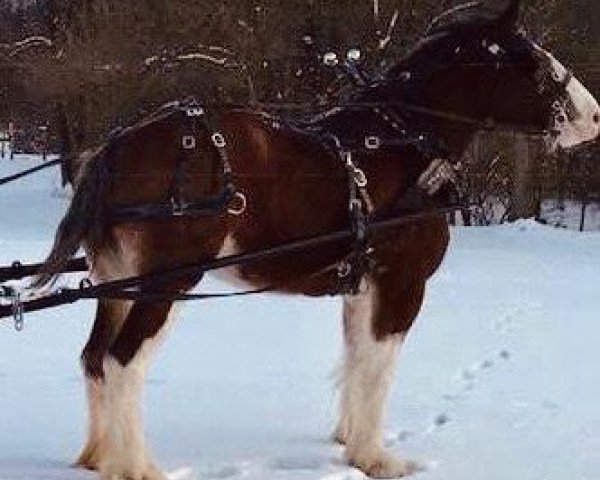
<point>596,118</point>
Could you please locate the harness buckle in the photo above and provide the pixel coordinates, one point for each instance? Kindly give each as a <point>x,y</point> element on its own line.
<point>359,177</point>
<point>17,307</point>
<point>355,205</point>
<point>177,207</point>
<point>372,142</point>
<point>218,140</point>
<point>344,269</point>
<point>194,111</point>
<point>188,142</point>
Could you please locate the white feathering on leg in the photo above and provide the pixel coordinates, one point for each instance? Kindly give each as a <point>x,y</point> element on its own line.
<point>92,452</point>
<point>125,455</point>
<point>367,374</point>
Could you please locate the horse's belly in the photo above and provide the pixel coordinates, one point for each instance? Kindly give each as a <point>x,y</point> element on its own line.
<point>233,275</point>
<point>273,274</point>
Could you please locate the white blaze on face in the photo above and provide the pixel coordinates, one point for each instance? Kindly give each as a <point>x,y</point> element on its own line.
<point>578,121</point>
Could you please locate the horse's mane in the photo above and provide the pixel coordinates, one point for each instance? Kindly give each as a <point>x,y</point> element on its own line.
<point>475,14</point>
<point>466,17</point>
<point>452,15</point>
<point>162,112</point>
<point>80,162</point>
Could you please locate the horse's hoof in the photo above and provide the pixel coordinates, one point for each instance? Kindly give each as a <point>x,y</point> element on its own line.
<point>89,458</point>
<point>385,465</point>
<point>145,476</point>
<point>153,473</point>
<point>150,472</point>
<point>339,436</point>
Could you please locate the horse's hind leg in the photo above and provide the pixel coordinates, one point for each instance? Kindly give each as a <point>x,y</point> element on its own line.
<point>124,456</point>
<point>110,315</point>
<point>375,323</point>
<point>125,365</point>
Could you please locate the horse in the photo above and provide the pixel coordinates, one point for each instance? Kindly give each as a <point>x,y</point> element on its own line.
<point>472,69</point>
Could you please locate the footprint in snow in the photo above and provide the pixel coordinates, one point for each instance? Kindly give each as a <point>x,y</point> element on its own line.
<point>222,472</point>
<point>353,474</point>
<point>441,420</point>
<point>505,323</point>
<point>466,381</point>
<point>298,463</point>
<point>487,364</point>
<point>511,314</point>
<point>185,473</point>
<point>438,422</point>
<point>393,438</point>
<point>467,378</point>
<point>550,405</point>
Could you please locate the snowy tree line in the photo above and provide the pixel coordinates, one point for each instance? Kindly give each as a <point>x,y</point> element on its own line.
<point>122,56</point>
<point>108,62</point>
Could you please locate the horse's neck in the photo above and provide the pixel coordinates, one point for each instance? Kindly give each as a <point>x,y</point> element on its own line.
<point>456,137</point>
<point>454,134</point>
<point>417,91</point>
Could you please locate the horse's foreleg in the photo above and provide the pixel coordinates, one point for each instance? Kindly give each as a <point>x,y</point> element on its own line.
<point>374,328</point>
<point>110,315</point>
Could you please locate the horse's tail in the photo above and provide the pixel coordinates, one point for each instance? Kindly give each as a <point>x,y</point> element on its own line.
<point>83,220</point>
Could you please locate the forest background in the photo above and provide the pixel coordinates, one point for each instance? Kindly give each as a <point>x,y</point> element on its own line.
<point>76,69</point>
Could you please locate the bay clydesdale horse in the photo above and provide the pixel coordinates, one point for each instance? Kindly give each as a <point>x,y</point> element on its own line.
<point>472,67</point>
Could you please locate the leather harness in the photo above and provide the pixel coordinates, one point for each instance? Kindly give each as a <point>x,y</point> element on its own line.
<point>353,267</point>
<point>395,134</point>
<point>176,205</point>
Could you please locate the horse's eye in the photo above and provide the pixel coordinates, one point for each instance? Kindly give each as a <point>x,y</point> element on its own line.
<point>561,118</point>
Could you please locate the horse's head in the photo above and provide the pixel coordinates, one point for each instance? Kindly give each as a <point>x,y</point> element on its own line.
<point>475,64</point>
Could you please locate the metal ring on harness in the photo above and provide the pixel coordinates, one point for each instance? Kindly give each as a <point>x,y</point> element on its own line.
<point>188,142</point>
<point>237,211</point>
<point>218,140</point>
<point>372,142</point>
<point>194,112</point>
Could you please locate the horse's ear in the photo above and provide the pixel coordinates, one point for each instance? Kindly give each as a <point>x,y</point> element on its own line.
<point>509,18</point>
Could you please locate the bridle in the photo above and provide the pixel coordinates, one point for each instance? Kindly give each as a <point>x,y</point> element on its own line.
<point>555,86</point>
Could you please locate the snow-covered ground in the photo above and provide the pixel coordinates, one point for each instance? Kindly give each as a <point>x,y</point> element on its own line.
<point>499,379</point>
